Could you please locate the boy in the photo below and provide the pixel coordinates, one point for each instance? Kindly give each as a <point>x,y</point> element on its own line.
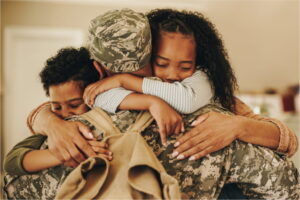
<point>64,82</point>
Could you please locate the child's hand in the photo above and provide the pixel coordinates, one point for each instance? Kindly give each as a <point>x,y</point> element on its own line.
<point>167,119</point>
<point>92,90</point>
<point>101,148</point>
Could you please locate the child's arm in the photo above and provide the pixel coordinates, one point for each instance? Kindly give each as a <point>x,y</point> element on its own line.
<point>186,96</point>
<point>36,160</point>
<point>13,162</point>
<point>167,119</point>
<point>26,157</point>
<point>112,83</point>
<point>111,99</point>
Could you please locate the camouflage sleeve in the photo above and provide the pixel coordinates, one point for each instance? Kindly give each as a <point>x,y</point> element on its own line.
<point>258,171</point>
<point>41,185</point>
<point>262,173</point>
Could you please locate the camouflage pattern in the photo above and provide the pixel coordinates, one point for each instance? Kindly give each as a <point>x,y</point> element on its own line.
<point>259,172</point>
<point>120,40</point>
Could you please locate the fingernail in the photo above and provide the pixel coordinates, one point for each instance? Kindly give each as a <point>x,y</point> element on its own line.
<point>181,156</point>
<point>192,158</point>
<point>91,135</point>
<point>176,144</point>
<point>193,123</point>
<point>174,154</point>
<point>110,153</point>
<point>106,145</point>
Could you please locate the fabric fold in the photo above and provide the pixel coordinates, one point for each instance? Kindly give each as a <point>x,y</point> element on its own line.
<point>134,173</point>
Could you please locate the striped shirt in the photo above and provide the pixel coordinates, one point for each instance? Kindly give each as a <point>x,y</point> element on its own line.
<point>186,96</point>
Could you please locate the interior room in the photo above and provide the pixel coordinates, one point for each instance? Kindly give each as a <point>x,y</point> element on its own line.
<point>261,38</point>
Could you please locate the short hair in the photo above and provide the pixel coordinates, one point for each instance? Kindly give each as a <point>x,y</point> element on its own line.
<point>69,64</point>
<point>211,56</point>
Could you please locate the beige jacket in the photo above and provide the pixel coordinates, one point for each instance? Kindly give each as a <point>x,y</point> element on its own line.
<point>134,172</point>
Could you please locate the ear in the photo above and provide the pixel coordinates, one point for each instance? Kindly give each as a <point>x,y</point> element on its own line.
<point>99,68</point>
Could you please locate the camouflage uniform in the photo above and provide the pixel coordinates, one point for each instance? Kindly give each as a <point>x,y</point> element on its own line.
<point>260,172</point>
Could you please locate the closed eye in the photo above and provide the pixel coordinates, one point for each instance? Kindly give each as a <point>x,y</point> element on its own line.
<point>161,64</point>
<point>56,108</point>
<point>75,105</point>
<point>186,68</point>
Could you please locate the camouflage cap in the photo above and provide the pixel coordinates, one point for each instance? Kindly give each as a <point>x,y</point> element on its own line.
<point>120,40</point>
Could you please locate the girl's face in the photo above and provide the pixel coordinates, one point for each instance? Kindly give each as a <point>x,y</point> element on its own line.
<point>66,99</point>
<point>174,56</point>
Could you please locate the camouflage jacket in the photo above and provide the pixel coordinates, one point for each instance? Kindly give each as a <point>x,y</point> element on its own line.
<point>259,172</point>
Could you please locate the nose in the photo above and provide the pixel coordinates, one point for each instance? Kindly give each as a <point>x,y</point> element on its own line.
<point>65,113</point>
<point>172,76</point>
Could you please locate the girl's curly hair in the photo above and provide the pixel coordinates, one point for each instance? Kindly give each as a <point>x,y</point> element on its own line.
<point>69,64</point>
<point>210,53</point>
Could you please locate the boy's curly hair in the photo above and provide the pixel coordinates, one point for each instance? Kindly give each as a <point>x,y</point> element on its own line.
<point>210,53</point>
<point>69,64</point>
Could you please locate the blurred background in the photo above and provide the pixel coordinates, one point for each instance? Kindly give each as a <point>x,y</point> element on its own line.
<point>261,37</point>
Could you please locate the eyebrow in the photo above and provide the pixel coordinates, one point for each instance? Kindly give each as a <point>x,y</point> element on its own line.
<point>162,57</point>
<point>185,61</point>
<point>69,101</point>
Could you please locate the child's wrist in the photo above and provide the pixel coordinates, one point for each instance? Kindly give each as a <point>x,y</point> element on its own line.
<point>121,78</point>
<point>148,101</point>
<point>153,101</point>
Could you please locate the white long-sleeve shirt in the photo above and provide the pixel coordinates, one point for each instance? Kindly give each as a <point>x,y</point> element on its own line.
<point>186,96</point>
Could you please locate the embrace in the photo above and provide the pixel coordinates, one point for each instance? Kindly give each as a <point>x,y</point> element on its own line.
<point>173,65</point>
